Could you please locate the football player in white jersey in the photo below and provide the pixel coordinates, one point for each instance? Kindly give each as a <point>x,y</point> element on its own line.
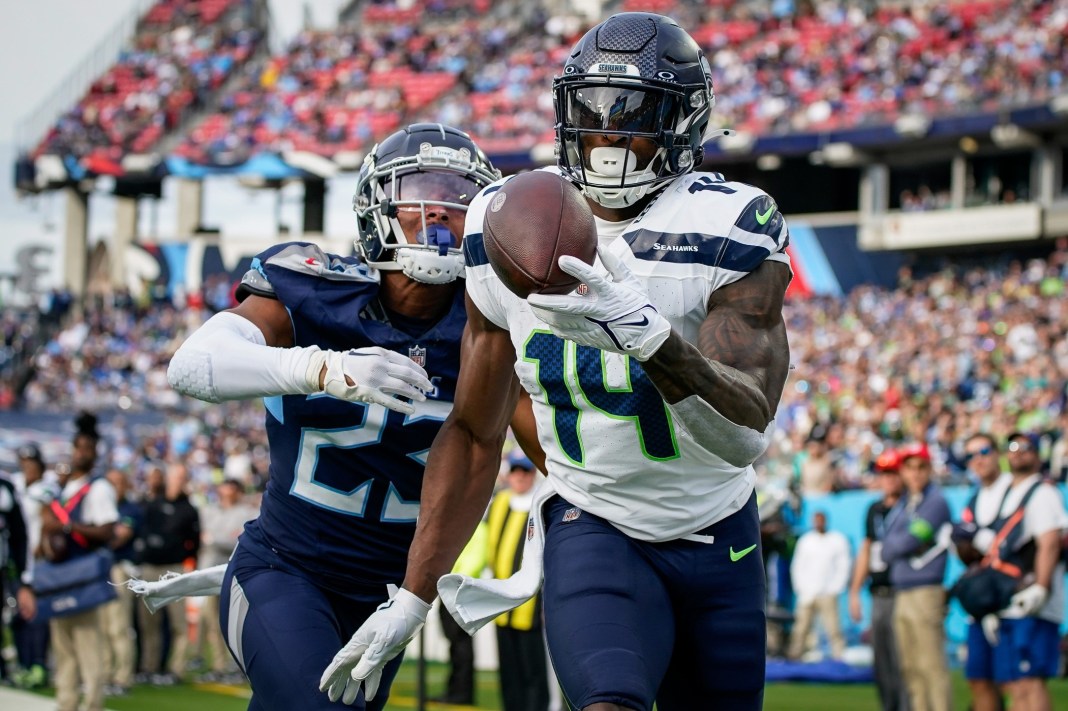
<point>654,389</point>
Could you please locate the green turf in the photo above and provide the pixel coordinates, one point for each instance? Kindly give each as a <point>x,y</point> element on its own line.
<point>779,697</point>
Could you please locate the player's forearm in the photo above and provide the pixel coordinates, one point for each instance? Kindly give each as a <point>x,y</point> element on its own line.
<point>679,370</point>
<point>860,570</point>
<point>1047,553</point>
<point>227,359</point>
<point>457,487</point>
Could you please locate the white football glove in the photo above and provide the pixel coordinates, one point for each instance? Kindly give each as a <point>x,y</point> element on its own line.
<point>379,376</point>
<point>615,315</point>
<point>991,626</point>
<point>382,637</point>
<point>1029,601</point>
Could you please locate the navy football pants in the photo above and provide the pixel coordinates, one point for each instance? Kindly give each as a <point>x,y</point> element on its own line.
<point>284,631</point>
<point>681,623</point>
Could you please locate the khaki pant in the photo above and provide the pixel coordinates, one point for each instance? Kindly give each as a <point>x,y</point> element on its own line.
<point>76,644</point>
<point>151,627</point>
<point>211,639</point>
<point>117,620</point>
<point>826,608</point>
<point>919,626</point>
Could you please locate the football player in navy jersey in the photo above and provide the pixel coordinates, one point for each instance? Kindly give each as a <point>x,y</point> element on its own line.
<point>356,359</point>
<point>654,389</point>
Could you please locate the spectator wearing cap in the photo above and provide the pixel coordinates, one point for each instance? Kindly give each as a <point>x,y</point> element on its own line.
<point>820,573</point>
<point>817,470</point>
<point>1027,653</point>
<point>37,487</point>
<point>870,567</point>
<point>523,667</point>
<point>973,537</point>
<point>90,514</point>
<point>917,563</point>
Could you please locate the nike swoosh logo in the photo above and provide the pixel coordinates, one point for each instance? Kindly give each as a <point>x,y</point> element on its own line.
<point>763,217</point>
<point>643,322</point>
<point>737,556</point>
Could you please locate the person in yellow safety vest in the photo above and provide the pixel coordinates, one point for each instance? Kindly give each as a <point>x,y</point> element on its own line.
<point>520,644</point>
<point>460,688</point>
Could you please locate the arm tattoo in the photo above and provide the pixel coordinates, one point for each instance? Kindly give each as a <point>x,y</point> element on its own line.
<point>741,358</point>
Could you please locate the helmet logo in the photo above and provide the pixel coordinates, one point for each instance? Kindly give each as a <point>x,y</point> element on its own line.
<point>498,201</point>
<point>698,98</point>
<point>666,76</point>
<point>607,68</point>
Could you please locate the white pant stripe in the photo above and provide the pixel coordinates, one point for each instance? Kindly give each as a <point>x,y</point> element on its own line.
<point>235,622</point>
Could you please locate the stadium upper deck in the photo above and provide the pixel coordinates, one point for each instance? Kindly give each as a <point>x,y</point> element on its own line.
<point>783,71</point>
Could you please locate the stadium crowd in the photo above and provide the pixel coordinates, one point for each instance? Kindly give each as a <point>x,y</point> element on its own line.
<point>178,60</point>
<point>778,67</point>
<point>974,348</point>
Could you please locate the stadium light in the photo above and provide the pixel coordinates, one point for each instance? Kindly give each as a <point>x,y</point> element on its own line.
<point>737,142</point>
<point>349,160</point>
<point>1009,135</point>
<point>312,163</point>
<point>50,169</point>
<point>769,162</point>
<point>1059,105</point>
<point>912,125</point>
<point>841,155</point>
<point>140,162</point>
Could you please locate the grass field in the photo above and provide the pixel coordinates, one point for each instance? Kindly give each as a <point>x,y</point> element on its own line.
<point>779,697</point>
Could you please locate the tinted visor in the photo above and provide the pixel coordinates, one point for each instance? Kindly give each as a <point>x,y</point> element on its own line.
<point>615,108</point>
<point>437,187</point>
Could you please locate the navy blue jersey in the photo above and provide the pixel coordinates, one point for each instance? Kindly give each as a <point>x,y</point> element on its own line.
<point>345,477</point>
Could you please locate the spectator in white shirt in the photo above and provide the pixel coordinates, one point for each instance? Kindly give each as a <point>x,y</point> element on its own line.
<point>820,574</point>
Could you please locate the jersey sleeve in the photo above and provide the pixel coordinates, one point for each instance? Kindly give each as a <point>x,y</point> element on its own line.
<point>709,231</point>
<point>483,286</point>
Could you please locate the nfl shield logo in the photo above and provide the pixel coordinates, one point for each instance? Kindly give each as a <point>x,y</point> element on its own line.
<point>530,529</point>
<point>570,515</point>
<point>418,355</point>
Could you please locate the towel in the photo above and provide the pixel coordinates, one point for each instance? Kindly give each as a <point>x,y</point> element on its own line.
<point>174,586</point>
<point>475,601</point>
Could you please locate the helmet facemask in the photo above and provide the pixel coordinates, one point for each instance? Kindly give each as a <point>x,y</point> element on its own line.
<point>624,108</point>
<point>411,191</point>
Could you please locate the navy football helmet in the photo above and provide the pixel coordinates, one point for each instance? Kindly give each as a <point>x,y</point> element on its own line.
<point>635,75</point>
<point>421,169</point>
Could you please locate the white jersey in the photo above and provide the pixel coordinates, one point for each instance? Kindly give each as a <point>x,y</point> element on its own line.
<point>612,447</point>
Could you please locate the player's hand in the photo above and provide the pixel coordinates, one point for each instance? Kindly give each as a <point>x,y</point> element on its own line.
<point>615,314</point>
<point>382,637</point>
<point>855,612</point>
<point>375,375</point>
<point>1029,601</point>
<point>991,626</point>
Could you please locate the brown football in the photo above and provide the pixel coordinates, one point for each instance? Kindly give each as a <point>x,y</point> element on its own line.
<point>533,220</point>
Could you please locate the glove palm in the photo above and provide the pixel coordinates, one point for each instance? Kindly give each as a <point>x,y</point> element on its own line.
<point>615,315</point>
<point>382,637</point>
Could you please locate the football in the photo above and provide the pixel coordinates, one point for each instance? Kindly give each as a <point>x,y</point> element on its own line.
<point>533,220</point>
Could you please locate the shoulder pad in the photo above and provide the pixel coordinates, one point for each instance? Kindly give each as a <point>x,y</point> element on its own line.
<point>254,283</point>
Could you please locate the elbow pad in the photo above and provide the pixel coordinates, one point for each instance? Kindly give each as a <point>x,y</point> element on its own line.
<point>735,444</point>
<point>228,359</point>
